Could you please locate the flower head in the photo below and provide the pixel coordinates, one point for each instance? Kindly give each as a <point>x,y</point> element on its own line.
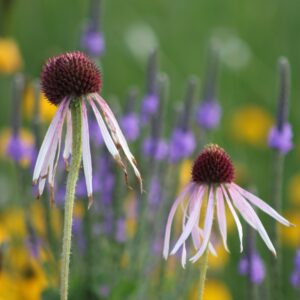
<point>68,79</point>
<point>71,74</point>
<point>212,182</point>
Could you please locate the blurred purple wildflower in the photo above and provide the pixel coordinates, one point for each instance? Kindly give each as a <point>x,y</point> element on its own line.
<point>104,290</point>
<point>78,233</point>
<point>253,267</point>
<point>155,191</point>
<point>121,231</point>
<point>182,144</point>
<point>95,135</point>
<point>92,41</point>
<point>149,107</point>
<point>18,150</point>
<point>155,148</point>
<point>208,114</point>
<point>130,125</point>
<point>281,139</point>
<point>295,277</point>
<point>33,244</point>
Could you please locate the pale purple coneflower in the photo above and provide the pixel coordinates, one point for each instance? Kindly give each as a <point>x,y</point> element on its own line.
<point>213,174</point>
<point>66,79</point>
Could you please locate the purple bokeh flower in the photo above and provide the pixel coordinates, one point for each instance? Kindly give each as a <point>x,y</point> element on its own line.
<point>18,150</point>
<point>281,139</point>
<point>92,41</point>
<point>121,231</point>
<point>158,149</point>
<point>208,114</point>
<point>149,107</point>
<point>33,244</point>
<point>155,192</point>
<point>130,125</point>
<point>253,267</point>
<point>182,144</point>
<point>295,277</point>
<point>104,290</point>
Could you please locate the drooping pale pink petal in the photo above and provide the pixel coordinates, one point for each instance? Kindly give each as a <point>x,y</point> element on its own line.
<point>68,140</point>
<point>107,138</point>
<point>250,216</point>
<point>235,217</point>
<point>207,225</point>
<point>52,130</point>
<point>196,199</point>
<point>210,245</point>
<point>117,133</point>
<point>86,154</point>
<point>41,186</point>
<point>222,217</point>
<point>180,198</point>
<point>262,205</point>
<point>183,256</point>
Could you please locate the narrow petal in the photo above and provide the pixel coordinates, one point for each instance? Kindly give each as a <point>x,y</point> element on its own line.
<point>262,205</point>
<point>192,220</point>
<point>68,140</point>
<point>52,130</point>
<point>183,256</point>
<point>210,245</point>
<point>250,216</point>
<point>114,126</point>
<point>86,153</point>
<point>222,217</point>
<point>235,217</point>
<point>179,199</point>
<point>108,139</point>
<point>207,226</point>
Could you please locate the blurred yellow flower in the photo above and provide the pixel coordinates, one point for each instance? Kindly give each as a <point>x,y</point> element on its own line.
<point>218,262</point>
<point>24,278</point>
<point>12,223</point>
<point>291,235</point>
<point>46,109</point>
<point>185,173</point>
<point>294,189</point>
<point>10,57</point>
<point>214,290</point>
<point>26,137</point>
<point>251,124</point>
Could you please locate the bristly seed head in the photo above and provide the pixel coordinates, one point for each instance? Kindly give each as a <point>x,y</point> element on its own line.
<point>72,74</point>
<point>213,165</point>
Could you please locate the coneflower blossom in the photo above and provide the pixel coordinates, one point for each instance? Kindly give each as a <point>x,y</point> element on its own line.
<point>212,175</point>
<point>66,79</point>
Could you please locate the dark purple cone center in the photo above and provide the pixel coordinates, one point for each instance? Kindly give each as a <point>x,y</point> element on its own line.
<point>72,74</point>
<point>213,165</point>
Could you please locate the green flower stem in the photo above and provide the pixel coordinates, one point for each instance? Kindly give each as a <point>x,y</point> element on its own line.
<point>276,262</point>
<point>203,271</point>
<point>70,194</point>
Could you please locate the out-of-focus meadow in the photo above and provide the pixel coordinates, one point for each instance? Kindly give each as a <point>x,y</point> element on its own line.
<point>117,244</point>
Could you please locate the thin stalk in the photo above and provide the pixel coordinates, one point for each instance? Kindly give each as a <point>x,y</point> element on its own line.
<point>276,262</point>
<point>70,195</point>
<point>203,271</point>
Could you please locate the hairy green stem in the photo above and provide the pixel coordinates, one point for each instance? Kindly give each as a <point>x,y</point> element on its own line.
<point>276,265</point>
<point>70,194</point>
<point>203,271</point>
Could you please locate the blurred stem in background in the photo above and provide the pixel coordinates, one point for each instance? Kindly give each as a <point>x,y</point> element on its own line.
<point>70,195</point>
<point>208,114</point>
<point>280,140</point>
<point>5,16</point>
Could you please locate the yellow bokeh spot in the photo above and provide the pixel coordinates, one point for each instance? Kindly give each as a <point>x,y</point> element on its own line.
<point>218,262</point>
<point>13,223</point>
<point>251,124</point>
<point>131,227</point>
<point>10,57</point>
<point>294,189</point>
<point>46,109</point>
<point>213,290</point>
<point>291,235</point>
<point>185,173</point>
<point>25,274</point>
